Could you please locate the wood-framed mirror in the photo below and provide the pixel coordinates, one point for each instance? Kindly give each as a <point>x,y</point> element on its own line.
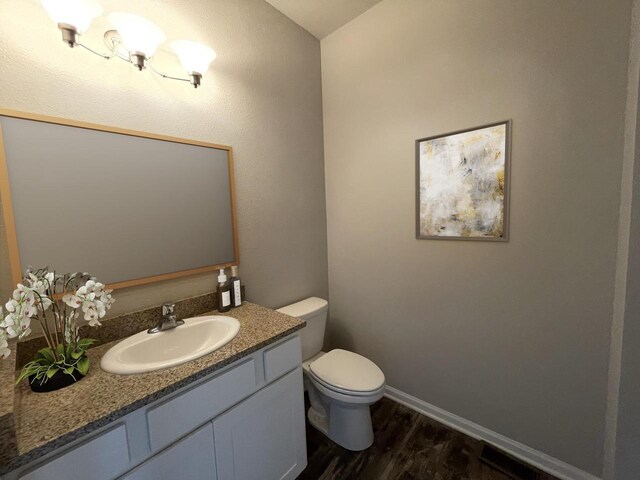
<point>129,207</point>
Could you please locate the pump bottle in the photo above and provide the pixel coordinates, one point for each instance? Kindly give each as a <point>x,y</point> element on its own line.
<point>223,293</point>
<point>234,284</point>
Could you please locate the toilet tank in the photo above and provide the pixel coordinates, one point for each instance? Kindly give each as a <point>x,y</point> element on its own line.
<point>313,310</point>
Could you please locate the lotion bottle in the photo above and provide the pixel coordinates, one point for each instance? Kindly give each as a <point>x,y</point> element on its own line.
<point>223,293</point>
<point>234,284</point>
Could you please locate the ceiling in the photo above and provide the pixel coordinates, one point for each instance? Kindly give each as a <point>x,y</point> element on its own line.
<point>322,17</point>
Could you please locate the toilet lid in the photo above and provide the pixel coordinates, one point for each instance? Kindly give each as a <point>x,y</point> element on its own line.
<point>348,371</point>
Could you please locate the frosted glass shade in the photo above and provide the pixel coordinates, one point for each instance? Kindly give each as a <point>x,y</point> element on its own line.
<point>194,57</point>
<point>138,34</point>
<point>77,13</point>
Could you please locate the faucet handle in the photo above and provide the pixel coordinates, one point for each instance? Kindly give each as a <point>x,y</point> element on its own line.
<point>168,308</point>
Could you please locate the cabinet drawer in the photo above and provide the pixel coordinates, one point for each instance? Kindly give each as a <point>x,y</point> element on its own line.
<point>183,414</point>
<point>190,458</point>
<point>103,457</point>
<point>282,358</point>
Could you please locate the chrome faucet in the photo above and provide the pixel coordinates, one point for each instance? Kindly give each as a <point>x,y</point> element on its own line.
<point>168,320</point>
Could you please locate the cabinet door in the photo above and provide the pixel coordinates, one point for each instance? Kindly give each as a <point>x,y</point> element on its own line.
<point>263,438</point>
<point>191,458</point>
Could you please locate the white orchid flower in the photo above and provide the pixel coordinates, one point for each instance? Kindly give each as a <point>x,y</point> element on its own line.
<point>30,311</point>
<point>11,306</point>
<point>21,292</point>
<point>12,322</point>
<point>4,345</point>
<point>45,302</point>
<point>25,330</point>
<point>72,301</point>
<point>101,308</point>
<point>8,321</point>
<point>39,288</point>
<point>91,315</point>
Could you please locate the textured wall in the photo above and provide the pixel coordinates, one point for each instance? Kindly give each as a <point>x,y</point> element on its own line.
<point>513,336</point>
<point>262,96</point>
<point>627,459</point>
<point>627,442</point>
<point>624,277</point>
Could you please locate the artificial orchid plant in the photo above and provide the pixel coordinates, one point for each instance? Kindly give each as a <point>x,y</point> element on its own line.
<point>55,301</point>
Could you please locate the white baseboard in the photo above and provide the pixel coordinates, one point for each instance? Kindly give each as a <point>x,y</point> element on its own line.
<point>540,460</point>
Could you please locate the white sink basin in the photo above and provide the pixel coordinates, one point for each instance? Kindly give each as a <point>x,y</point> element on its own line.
<point>145,352</point>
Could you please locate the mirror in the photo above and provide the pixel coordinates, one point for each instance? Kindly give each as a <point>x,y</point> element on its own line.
<point>128,207</point>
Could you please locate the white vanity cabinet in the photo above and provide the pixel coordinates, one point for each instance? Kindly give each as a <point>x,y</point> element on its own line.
<point>264,436</point>
<point>243,422</point>
<point>191,457</point>
<point>106,455</point>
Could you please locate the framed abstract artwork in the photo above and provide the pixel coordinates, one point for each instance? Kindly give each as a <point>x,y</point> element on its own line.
<point>462,184</point>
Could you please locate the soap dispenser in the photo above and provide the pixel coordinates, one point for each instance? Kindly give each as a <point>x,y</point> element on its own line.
<point>236,290</point>
<point>223,293</point>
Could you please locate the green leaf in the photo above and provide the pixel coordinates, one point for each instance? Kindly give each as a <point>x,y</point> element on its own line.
<point>51,371</point>
<point>76,354</point>
<point>46,354</point>
<point>29,369</point>
<point>83,365</point>
<point>69,370</point>
<point>85,343</point>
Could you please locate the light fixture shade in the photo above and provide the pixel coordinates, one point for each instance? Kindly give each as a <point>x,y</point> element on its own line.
<point>138,34</point>
<point>194,57</point>
<point>77,13</point>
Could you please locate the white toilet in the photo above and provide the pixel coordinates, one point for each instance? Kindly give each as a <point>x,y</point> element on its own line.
<point>341,384</point>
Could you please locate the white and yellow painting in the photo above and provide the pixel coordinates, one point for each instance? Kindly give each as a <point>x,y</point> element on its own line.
<point>462,184</point>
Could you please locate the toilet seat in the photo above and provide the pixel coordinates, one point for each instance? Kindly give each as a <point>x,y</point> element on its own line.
<point>342,391</point>
<point>348,400</point>
<point>347,373</point>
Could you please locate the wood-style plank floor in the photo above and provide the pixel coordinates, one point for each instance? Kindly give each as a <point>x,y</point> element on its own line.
<point>407,445</point>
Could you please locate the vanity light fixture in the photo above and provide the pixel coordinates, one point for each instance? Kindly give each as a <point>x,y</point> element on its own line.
<point>135,39</point>
<point>195,58</point>
<point>138,35</point>
<point>72,16</point>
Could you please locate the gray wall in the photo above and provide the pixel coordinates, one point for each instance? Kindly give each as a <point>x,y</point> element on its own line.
<point>623,274</point>
<point>513,336</point>
<point>627,457</point>
<point>262,96</point>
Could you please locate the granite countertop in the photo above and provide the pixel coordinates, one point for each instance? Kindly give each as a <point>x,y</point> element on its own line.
<point>44,422</point>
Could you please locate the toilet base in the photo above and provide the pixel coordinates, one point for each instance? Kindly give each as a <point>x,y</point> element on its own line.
<point>351,427</point>
<point>318,421</point>
<point>348,425</point>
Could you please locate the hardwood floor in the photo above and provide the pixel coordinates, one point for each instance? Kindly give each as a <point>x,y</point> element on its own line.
<point>407,446</point>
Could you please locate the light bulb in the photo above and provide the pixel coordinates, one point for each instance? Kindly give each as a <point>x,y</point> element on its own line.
<point>73,13</point>
<point>138,34</point>
<point>194,57</point>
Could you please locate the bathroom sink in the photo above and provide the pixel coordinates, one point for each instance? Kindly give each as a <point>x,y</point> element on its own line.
<point>145,352</point>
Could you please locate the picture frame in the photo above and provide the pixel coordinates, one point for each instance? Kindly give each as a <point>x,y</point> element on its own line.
<point>463,184</point>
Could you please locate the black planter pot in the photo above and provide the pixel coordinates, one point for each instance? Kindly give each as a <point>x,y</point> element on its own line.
<point>58,381</point>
